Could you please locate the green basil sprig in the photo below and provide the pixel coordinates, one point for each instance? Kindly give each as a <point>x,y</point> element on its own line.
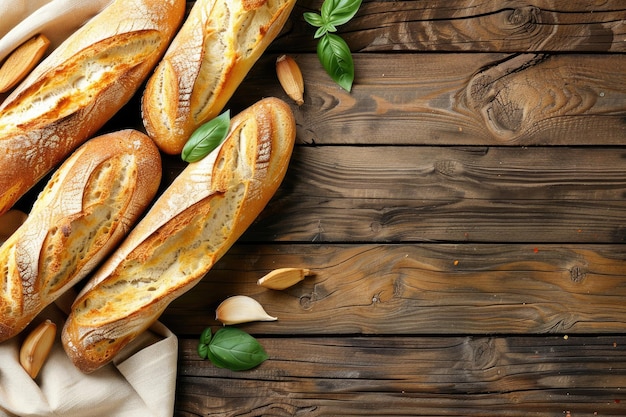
<point>334,54</point>
<point>203,344</point>
<point>231,348</point>
<point>206,138</point>
<point>332,51</point>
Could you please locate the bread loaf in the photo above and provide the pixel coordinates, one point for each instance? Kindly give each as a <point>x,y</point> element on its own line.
<point>86,208</point>
<point>216,47</point>
<point>191,225</point>
<point>79,87</point>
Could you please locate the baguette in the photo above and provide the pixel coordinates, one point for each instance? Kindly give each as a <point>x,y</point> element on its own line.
<point>214,50</point>
<point>79,87</point>
<point>86,208</point>
<point>192,224</point>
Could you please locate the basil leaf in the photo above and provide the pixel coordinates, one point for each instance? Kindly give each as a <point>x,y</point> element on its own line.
<point>313,19</point>
<point>216,360</point>
<point>205,336</point>
<point>332,50</point>
<point>203,344</point>
<point>336,58</point>
<point>203,350</point>
<point>338,12</point>
<point>206,138</point>
<point>234,349</point>
<point>330,27</point>
<point>317,21</point>
<point>320,32</point>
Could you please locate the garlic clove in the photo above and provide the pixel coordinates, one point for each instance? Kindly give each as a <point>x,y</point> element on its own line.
<point>282,278</point>
<point>290,78</point>
<point>36,347</point>
<point>241,309</point>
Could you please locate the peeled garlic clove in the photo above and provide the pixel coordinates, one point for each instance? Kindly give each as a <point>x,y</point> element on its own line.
<point>241,309</point>
<point>36,347</point>
<point>282,278</point>
<point>290,78</point>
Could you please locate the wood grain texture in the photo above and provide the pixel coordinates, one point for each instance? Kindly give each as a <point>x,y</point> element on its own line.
<point>457,99</point>
<point>462,210</point>
<point>471,26</point>
<point>414,376</point>
<point>419,289</point>
<point>451,194</point>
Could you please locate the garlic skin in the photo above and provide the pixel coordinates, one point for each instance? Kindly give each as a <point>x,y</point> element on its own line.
<point>290,78</point>
<point>241,309</point>
<point>282,278</point>
<point>36,347</point>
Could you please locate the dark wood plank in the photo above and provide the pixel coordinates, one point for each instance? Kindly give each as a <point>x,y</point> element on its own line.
<point>451,194</point>
<point>420,289</point>
<point>459,268</point>
<point>406,376</point>
<point>457,99</point>
<point>478,25</point>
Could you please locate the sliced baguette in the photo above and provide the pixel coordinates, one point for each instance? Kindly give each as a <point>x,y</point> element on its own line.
<point>216,47</point>
<point>192,224</point>
<point>85,210</point>
<point>79,87</point>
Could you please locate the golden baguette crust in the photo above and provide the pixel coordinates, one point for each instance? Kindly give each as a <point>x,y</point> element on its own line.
<point>85,210</point>
<point>192,224</point>
<point>210,56</point>
<point>79,87</point>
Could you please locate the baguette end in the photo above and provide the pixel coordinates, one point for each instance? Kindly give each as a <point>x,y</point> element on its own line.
<point>161,116</point>
<point>89,357</point>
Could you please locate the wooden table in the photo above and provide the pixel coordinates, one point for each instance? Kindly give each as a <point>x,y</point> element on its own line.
<point>463,210</point>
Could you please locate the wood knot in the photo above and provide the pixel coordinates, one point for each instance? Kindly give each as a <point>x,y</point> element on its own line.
<point>306,302</point>
<point>484,353</point>
<point>515,95</point>
<point>578,274</point>
<point>447,167</point>
<point>524,17</point>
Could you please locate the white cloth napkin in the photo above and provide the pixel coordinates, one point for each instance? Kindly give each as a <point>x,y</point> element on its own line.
<point>57,19</point>
<point>140,382</point>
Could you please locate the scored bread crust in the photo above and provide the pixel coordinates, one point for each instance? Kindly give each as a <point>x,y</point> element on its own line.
<point>190,226</point>
<point>86,208</point>
<point>79,87</point>
<point>210,56</point>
